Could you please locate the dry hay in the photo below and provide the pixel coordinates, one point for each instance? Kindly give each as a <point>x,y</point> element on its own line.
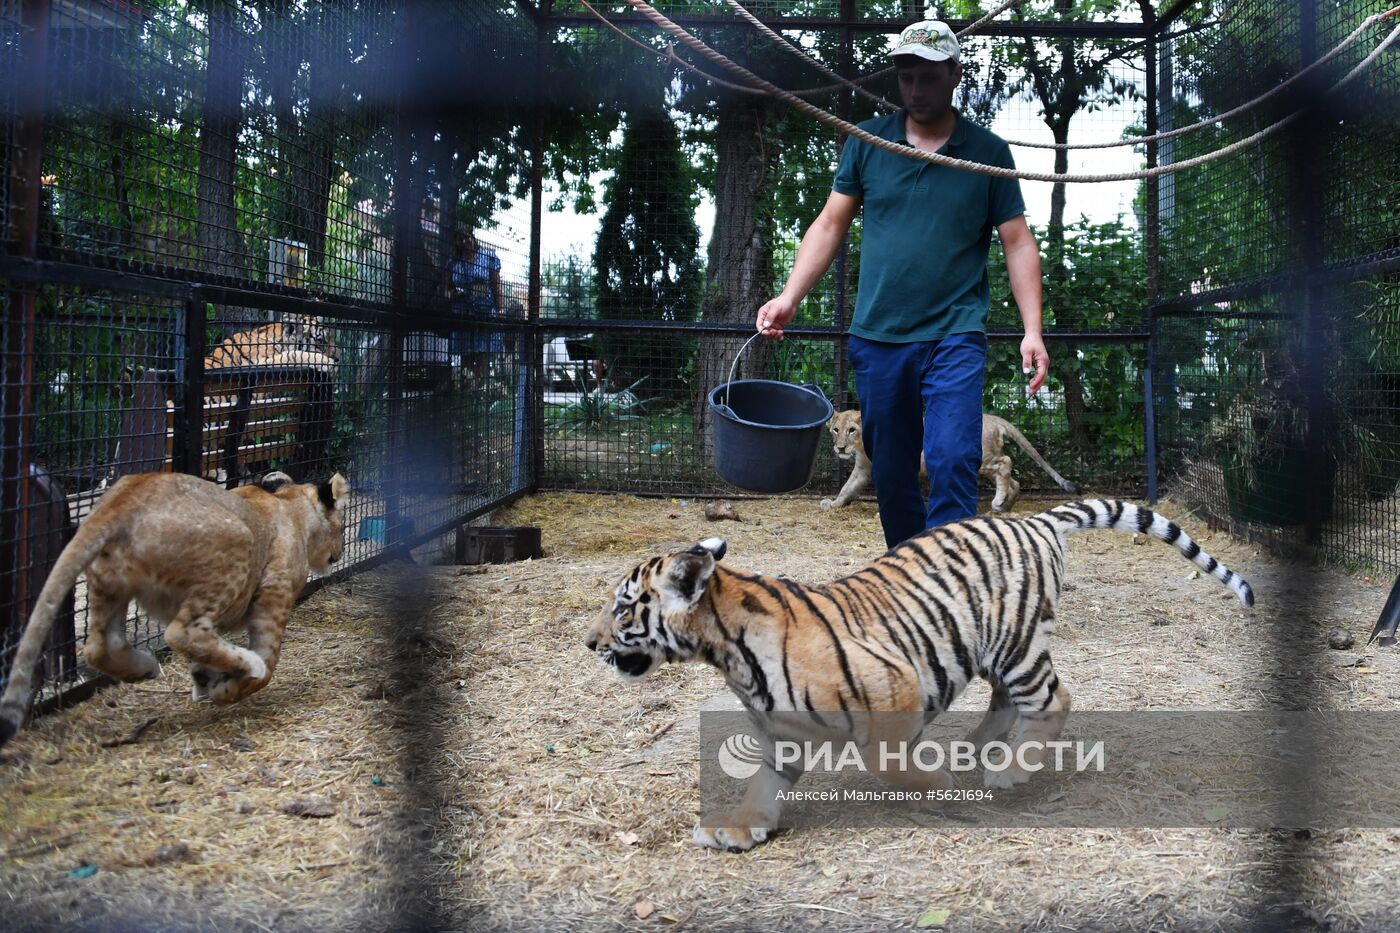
<point>523,785</point>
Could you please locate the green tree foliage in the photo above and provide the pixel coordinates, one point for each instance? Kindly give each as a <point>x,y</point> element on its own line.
<point>304,67</point>
<point>1103,281</point>
<point>1243,219</point>
<point>1065,77</point>
<point>591,78</point>
<point>569,290</point>
<point>647,264</point>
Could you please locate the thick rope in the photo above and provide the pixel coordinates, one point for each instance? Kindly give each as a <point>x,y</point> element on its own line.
<point>670,55</point>
<point>1234,112</point>
<point>855,85</point>
<point>995,171</point>
<point>792,48</point>
<point>973,27</point>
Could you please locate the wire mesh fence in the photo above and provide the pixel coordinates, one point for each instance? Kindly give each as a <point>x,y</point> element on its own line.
<point>116,392</point>
<point>459,251</point>
<point>384,163</point>
<point>380,163</point>
<point>236,243</point>
<point>710,192</point>
<point>1274,390</point>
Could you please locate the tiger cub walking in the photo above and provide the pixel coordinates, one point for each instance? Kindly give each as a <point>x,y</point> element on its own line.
<point>904,634</point>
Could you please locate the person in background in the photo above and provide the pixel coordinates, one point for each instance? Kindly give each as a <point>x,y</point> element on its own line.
<point>474,288</point>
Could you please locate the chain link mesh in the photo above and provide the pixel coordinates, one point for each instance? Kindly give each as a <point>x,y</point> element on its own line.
<point>1276,377</point>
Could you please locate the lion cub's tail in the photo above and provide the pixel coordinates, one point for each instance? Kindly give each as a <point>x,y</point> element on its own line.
<point>92,536</point>
<point>1011,431</point>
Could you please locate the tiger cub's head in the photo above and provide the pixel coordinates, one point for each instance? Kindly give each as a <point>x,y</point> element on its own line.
<point>846,440</point>
<point>646,623</point>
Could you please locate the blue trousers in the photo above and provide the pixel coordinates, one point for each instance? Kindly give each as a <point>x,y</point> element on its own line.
<point>927,397</point>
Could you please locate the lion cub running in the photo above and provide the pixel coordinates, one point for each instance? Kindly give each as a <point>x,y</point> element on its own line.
<point>201,558</point>
<point>847,443</point>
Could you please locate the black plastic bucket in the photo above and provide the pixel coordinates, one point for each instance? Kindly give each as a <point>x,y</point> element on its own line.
<point>767,433</point>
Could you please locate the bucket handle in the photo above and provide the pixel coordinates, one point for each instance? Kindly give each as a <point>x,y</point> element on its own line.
<point>735,364</point>
<point>809,386</point>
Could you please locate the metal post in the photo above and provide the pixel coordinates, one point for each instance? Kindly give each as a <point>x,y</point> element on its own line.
<point>844,67</point>
<point>31,102</point>
<point>405,212</point>
<point>1312,137</point>
<point>1149,402</point>
<point>188,455</point>
<point>1166,120</point>
<point>534,338</point>
<point>1281,880</point>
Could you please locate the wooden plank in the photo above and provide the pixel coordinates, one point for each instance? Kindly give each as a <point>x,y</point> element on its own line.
<point>252,453</point>
<point>214,385</point>
<point>261,453</point>
<point>250,418</point>
<point>222,405</point>
<point>215,435</point>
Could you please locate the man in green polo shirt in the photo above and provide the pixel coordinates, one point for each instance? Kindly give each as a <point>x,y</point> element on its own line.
<point>918,344</point>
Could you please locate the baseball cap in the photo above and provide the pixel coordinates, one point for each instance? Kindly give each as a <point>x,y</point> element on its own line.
<point>930,39</point>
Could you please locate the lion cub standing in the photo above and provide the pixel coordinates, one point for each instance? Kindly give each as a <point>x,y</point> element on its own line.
<point>847,443</point>
<point>201,558</point>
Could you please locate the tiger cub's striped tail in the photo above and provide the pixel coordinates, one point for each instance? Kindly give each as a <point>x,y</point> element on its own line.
<point>1130,518</point>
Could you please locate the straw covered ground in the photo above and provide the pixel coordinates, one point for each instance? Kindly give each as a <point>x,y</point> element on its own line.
<point>437,747</point>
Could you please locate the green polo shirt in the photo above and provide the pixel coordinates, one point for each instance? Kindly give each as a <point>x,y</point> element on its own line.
<point>926,232</point>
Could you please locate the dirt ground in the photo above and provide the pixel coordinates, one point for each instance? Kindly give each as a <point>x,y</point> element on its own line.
<point>438,749</point>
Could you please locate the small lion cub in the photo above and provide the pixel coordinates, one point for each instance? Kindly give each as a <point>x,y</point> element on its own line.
<point>204,560</point>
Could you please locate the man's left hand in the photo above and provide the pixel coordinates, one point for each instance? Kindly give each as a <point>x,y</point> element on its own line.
<point>1034,358</point>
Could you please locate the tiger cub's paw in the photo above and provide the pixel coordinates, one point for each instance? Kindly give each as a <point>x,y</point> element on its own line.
<point>730,838</point>
<point>827,504</point>
<point>257,667</point>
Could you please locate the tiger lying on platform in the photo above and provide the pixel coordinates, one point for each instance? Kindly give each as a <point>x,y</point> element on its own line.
<point>296,340</point>
<point>904,634</point>
<point>848,443</point>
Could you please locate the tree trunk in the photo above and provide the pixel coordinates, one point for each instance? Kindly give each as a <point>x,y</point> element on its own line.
<point>117,141</point>
<point>313,175</point>
<point>1060,99</point>
<point>1068,365</point>
<point>740,257</point>
<point>313,181</point>
<point>306,149</point>
<point>220,246</point>
<point>422,274</point>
